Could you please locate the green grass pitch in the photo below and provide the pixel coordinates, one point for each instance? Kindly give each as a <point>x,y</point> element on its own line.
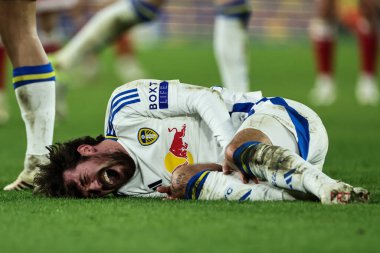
<point>36,224</point>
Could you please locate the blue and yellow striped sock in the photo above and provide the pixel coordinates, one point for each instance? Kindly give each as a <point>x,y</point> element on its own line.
<point>241,157</point>
<point>32,74</point>
<point>195,184</point>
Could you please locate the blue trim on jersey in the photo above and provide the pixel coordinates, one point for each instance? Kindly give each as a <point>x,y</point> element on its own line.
<point>242,107</point>
<point>145,11</point>
<point>122,93</point>
<point>252,111</point>
<point>300,123</point>
<point>116,111</point>
<point>245,196</point>
<point>124,104</point>
<point>117,103</point>
<point>239,160</point>
<point>124,98</point>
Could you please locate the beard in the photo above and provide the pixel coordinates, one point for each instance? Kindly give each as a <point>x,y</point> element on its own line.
<point>124,163</point>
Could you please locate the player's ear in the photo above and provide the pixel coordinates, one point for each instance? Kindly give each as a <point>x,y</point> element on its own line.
<point>86,150</point>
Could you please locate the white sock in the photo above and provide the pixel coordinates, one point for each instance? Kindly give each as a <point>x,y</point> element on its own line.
<point>213,185</point>
<point>230,46</point>
<point>104,27</point>
<point>301,176</point>
<point>314,180</point>
<point>35,93</point>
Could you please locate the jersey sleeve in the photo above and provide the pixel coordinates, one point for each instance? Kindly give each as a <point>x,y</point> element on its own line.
<point>163,99</point>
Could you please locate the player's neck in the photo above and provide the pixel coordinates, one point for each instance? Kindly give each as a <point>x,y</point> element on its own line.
<point>110,146</point>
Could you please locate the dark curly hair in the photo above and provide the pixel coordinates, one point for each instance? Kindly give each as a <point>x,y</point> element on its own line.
<point>62,156</point>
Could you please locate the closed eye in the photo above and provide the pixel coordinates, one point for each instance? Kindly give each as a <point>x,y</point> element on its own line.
<point>86,179</point>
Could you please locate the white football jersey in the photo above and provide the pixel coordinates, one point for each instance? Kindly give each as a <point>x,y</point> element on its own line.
<point>165,124</point>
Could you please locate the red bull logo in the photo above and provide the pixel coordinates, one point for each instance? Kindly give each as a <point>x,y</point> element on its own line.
<point>179,146</point>
<point>178,152</point>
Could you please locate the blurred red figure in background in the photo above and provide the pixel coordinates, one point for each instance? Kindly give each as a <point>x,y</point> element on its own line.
<point>323,34</point>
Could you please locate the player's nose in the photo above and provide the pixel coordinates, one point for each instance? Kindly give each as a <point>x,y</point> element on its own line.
<point>93,190</point>
<point>94,185</point>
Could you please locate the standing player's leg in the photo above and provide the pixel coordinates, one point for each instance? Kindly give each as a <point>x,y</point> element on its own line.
<point>34,83</point>
<point>367,33</point>
<point>322,32</point>
<point>127,64</point>
<point>105,27</point>
<point>101,30</point>
<point>4,114</point>
<point>230,43</point>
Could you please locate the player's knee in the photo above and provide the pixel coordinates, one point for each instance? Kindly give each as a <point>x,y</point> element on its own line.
<point>244,136</point>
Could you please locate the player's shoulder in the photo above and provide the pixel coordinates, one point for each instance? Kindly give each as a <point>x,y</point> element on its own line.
<point>144,88</point>
<point>141,92</point>
<point>124,95</point>
<point>143,84</point>
<point>131,85</point>
<point>128,89</point>
<point>232,96</point>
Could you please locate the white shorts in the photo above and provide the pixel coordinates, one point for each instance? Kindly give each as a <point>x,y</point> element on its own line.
<point>275,122</point>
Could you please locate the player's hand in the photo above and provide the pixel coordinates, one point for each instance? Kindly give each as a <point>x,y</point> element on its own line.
<point>229,167</point>
<point>168,191</point>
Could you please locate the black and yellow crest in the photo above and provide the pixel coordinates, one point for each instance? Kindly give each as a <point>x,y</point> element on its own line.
<point>147,136</point>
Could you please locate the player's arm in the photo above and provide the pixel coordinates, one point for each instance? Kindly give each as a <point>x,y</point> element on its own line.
<point>181,177</point>
<point>206,182</point>
<point>210,106</point>
<point>163,99</point>
<point>108,134</point>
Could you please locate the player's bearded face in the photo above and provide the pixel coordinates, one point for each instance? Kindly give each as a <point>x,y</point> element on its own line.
<point>100,175</point>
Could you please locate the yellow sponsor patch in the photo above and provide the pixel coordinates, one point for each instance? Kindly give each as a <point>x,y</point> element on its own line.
<point>147,136</point>
<point>172,161</point>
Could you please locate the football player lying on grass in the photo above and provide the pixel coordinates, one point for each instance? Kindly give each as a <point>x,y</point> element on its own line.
<point>153,128</point>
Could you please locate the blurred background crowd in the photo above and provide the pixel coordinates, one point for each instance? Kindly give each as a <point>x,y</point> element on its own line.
<point>272,20</point>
